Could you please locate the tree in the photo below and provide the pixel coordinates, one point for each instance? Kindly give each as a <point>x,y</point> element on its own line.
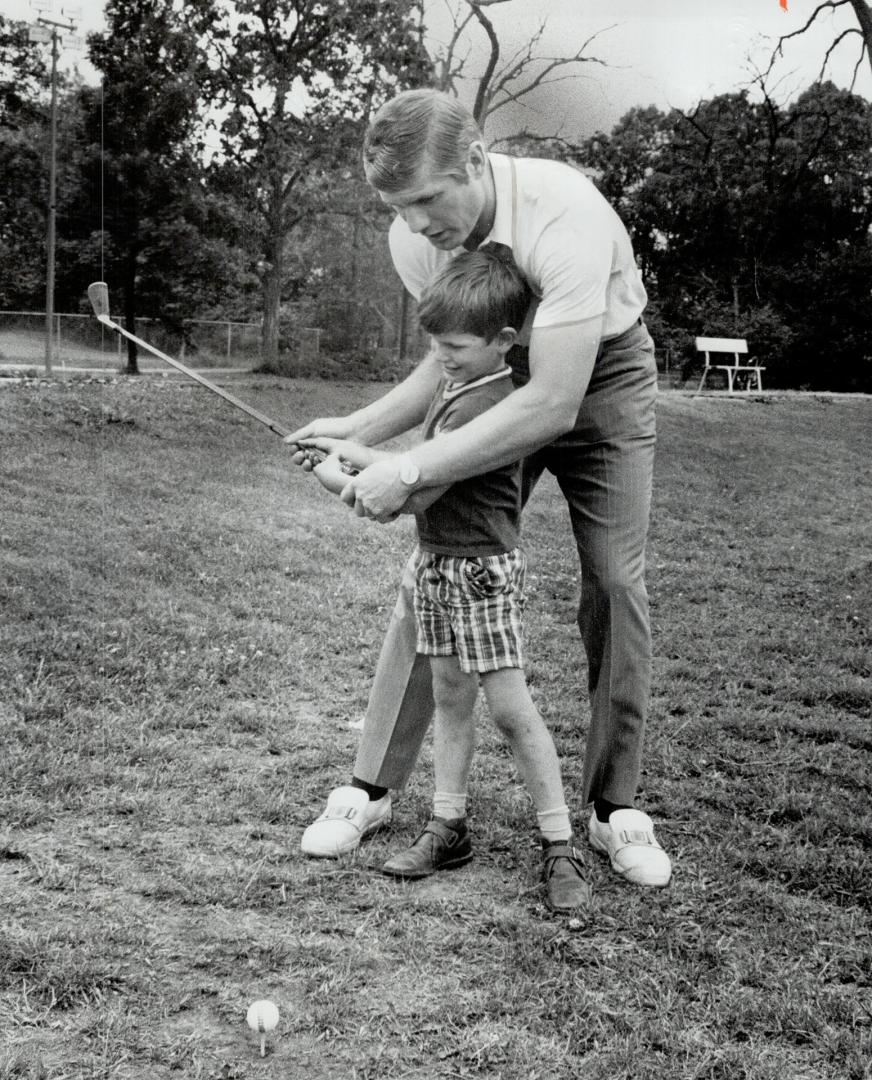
<point>23,125</point>
<point>294,81</point>
<point>146,156</point>
<point>23,76</point>
<point>741,211</point>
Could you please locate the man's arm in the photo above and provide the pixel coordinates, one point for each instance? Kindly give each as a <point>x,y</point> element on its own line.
<point>561,364</point>
<point>343,454</point>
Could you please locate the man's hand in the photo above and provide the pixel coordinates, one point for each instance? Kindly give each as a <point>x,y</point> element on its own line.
<point>377,492</point>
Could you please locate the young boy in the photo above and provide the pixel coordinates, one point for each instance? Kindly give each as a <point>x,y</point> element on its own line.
<point>469,579</point>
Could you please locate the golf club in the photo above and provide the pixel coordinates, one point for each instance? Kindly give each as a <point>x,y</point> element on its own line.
<point>98,294</point>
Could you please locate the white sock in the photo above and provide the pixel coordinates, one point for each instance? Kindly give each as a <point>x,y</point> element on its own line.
<point>554,824</point>
<point>449,804</point>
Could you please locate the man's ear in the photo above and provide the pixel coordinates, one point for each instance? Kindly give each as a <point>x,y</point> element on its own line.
<point>476,160</point>
<point>506,338</point>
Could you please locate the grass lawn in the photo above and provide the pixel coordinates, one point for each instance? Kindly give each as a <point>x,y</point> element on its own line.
<point>188,626</point>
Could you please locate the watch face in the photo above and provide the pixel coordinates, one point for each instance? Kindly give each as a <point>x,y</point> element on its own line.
<point>409,471</point>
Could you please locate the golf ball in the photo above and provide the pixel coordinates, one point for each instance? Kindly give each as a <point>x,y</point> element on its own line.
<point>262,1016</point>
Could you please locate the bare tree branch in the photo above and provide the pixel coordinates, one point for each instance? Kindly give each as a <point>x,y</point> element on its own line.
<point>551,64</point>
<point>568,146</point>
<point>450,69</point>
<point>479,110</point>
<point>863,12</point>
<point>521,75</point>
<point>845,33</point>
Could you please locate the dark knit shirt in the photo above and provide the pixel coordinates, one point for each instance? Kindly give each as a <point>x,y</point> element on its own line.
<point>482,514</point>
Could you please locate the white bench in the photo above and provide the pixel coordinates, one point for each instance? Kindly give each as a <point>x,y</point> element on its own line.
<point>735,347</point>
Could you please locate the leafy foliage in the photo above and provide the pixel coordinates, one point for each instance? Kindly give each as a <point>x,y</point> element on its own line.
<point>739,209</point>
<point>23,81</point>
<point>293,81</point>
<point>145,153</point>
<point>23,76</point>
<point>216,174</point>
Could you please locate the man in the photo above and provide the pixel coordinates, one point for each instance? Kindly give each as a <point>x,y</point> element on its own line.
<point>583,408</point>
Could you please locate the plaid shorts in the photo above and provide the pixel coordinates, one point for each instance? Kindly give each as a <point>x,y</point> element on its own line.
<point>471,608</point>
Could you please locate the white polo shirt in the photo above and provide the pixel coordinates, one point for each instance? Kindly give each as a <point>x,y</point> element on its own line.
<point>566,240</point>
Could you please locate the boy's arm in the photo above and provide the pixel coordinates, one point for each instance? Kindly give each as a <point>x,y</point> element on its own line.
<point>400,409</point>
<point>344,459</point>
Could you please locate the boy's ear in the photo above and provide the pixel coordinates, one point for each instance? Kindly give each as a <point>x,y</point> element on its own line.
<point>506,338</point>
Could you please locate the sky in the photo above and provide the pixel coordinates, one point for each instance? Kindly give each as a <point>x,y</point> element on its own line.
<point>659,52</point>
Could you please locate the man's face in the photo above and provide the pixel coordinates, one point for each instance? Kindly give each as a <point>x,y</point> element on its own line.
<point>440,207</point>
<point>464,357</point>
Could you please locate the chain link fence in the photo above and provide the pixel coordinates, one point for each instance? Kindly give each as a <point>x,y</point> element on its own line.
<point>329,338</point>
<point>80,341</point>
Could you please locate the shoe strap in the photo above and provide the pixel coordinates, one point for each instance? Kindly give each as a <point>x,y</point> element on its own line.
<point>445,833</point>
<point>340,813</point>
<point>563,851</point>
<point>630,837</point>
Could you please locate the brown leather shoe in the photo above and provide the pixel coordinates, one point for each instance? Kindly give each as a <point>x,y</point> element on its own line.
<point>443,845</point>
<point>564,874</point>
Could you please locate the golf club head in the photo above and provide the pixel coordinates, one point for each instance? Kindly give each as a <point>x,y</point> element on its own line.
<point>98,294</point>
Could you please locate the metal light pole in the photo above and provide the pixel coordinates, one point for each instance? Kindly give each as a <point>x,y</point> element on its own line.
<point>39,33</point>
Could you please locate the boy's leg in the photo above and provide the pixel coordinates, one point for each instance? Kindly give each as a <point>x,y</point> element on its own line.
<point>518,719</point>
<point>512,710</point>
<point>444,843</point>
<point>455,693</point>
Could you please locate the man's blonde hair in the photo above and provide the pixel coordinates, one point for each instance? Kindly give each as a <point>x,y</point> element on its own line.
<point>414,130</point>
<point>479,292</point>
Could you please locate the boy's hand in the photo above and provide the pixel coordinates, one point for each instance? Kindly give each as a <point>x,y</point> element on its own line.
<point>335,427</point>
<point>357,455</point>
<point>333,473</point>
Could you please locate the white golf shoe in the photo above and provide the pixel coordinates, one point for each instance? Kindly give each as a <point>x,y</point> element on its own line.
<point>629,842</point>
<point>350,815</point>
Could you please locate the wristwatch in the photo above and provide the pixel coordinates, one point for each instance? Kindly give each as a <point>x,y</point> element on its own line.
<point>410,474</point>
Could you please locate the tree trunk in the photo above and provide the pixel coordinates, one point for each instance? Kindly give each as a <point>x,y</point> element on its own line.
<point>130,312</point>
<point>272,294</point>
<point>272,280</point>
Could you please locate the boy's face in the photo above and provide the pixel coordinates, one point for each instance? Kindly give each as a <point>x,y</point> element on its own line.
<point>442,208</point>
<point>464,357</point>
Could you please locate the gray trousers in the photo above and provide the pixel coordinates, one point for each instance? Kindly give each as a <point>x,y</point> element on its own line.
<point>604,468</point>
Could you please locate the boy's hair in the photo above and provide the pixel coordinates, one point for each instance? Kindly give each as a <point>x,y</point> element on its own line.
<point>478,292</point>
<point>415,129</point>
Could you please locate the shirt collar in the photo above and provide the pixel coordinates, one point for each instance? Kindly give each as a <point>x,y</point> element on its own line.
<point>501,230</point>
<point>451,390</point>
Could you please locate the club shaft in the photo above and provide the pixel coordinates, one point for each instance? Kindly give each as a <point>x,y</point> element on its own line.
<point>196,376</point>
